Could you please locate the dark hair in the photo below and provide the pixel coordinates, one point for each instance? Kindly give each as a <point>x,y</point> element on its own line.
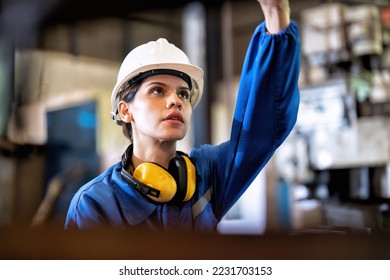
<point>127,95</point>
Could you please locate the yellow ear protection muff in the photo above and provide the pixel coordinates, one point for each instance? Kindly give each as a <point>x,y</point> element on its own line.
<point>176,184</point>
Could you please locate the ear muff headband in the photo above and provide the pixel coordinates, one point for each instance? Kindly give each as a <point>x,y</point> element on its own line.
<point>176,184</point>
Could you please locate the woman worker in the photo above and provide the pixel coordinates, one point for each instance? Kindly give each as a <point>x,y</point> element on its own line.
<point>158,187</point>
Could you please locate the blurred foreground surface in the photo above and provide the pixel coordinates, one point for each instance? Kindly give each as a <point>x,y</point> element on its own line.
<point>58,244</point>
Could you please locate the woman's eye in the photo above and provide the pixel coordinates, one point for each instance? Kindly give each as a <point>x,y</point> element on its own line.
<point>184,95</point>
<point>156,91</point>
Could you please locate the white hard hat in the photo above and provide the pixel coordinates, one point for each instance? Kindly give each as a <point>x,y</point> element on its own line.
<point>157,55</point>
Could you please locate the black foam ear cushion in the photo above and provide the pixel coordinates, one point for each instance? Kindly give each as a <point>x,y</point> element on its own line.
<point>178,169</point>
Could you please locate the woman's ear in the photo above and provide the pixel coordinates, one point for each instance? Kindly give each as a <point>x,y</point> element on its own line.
<point>124,113</point>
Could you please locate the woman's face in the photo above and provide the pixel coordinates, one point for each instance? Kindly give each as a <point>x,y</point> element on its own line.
<point>161,109</point>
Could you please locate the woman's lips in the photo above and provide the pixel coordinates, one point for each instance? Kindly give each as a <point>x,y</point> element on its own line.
<point>174,118</point>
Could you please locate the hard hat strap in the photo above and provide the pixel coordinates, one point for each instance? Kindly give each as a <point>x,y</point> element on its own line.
<point>144,75</point>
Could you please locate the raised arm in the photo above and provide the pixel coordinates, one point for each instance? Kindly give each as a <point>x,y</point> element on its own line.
<point>276,13</point>
<point>266,107</point>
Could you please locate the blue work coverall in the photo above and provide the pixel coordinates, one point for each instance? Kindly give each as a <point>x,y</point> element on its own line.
<point>265,113</point>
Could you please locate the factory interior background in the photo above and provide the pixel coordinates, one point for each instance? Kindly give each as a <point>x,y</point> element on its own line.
<point>58,65</point>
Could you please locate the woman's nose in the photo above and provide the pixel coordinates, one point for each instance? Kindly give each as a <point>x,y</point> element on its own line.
<point>174,101</point>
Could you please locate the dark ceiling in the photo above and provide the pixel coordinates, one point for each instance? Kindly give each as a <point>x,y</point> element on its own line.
<point>81,9</point>
<point>21,19</point>
<point>50,11</point>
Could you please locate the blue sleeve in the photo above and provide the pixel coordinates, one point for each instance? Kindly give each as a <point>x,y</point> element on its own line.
<point>265,113</point>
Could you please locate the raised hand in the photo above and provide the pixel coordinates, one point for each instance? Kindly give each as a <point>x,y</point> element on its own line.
<point>276,13</point>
